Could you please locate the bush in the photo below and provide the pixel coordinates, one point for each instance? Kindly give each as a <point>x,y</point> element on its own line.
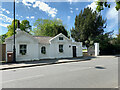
<point>110,50</point>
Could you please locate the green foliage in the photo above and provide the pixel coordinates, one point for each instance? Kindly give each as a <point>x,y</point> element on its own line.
<point>118,37</point>
<point>2,38</point>
<point>108,44</point>
<point>117,5</point>
<point>46,27</point>
<point>88,25</point>
<point>24,25</point>
<point>103,3</point>
<point>104,40</point>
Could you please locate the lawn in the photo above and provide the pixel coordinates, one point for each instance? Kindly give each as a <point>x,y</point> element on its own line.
<point>84,50</point>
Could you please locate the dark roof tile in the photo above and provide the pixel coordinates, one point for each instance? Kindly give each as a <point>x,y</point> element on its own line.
<point>43,39</point>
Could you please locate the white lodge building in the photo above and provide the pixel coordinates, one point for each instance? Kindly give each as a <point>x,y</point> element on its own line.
<point>30,47</point>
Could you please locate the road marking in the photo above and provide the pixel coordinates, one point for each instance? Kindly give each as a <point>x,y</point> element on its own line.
<point>116,87</point>
<point>22,78</point>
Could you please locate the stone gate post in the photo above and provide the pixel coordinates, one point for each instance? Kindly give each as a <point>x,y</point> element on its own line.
<point>97,49</point>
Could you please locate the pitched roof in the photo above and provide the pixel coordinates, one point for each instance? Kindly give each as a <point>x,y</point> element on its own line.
<point>11,37</point>
<point>43,39</point>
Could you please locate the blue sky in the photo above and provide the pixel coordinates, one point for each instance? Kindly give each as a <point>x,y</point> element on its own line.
<point>66,11</point>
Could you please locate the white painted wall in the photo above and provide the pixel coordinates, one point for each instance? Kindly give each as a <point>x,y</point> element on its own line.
<point>34,47</point>
<point>67,53</point>
<point>44,56</point>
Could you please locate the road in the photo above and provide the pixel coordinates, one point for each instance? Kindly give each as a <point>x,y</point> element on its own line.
<point>101,72</point>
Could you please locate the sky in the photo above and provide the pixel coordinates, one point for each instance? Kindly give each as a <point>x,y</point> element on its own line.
<point>31,10</point>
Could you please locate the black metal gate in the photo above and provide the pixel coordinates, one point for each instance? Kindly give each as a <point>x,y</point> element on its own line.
<point>91,50</point>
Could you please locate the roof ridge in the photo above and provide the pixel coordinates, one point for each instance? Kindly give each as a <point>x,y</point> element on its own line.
<point>42,36</point>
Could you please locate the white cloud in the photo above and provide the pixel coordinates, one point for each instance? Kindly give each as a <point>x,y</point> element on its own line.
<point>71,11</point>
<point>42,6</point>
<point>72,1</point>
<point>93,5</point>
<point>68,17</point>
<point>4,10</point>
<point>45,7</point>
<point>58,19</point>
<point>27,17</point>
<point>77,9</point>
<point>32,17</point>
<point>7,12</point>
<point>26,2</point>
<point>17,1</point>
<point>5,18</point>
<point>29,7</point>
<point>4,25</point>
<point>17,15</point>
<point>112,15</point>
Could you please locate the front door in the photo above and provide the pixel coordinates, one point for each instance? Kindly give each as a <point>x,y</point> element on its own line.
<point>74,51</point>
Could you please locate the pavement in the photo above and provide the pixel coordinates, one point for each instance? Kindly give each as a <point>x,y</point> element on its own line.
<point>7,66</point>
<point>100,72</point>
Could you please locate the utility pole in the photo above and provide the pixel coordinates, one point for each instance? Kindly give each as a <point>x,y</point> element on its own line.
<point>14,49</point>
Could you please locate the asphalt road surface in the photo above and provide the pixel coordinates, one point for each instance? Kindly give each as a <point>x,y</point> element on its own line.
<point>101,72</point>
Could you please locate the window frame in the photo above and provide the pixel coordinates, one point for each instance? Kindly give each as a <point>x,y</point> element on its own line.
<point>43,50</point>
<point>61,38</point>
<point>61,50</point>
<point>22,49</point>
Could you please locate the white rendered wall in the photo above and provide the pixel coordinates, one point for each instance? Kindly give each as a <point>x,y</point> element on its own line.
<point>34,48</point>
<point>54,48</point>
<point>47,54</point>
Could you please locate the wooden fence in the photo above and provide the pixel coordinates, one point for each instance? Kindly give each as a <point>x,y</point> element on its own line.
<point>2,52</point>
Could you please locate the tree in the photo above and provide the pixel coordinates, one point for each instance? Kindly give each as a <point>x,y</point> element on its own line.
<point>88,25</point>
<point>24,26</point>
<point>103,3</point>
<point>2,38</point>
<point>46,27</point>
<point>118,37</point>
<point>106,43</point>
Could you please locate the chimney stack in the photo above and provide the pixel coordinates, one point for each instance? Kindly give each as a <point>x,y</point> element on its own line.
<point>18,26</point>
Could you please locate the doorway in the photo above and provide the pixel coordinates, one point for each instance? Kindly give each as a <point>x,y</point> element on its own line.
<point>74,51</point>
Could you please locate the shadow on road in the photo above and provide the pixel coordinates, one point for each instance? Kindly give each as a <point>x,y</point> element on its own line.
<point>100,67</point>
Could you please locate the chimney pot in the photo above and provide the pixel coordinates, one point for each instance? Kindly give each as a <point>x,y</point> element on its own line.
<point>18,24</point>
